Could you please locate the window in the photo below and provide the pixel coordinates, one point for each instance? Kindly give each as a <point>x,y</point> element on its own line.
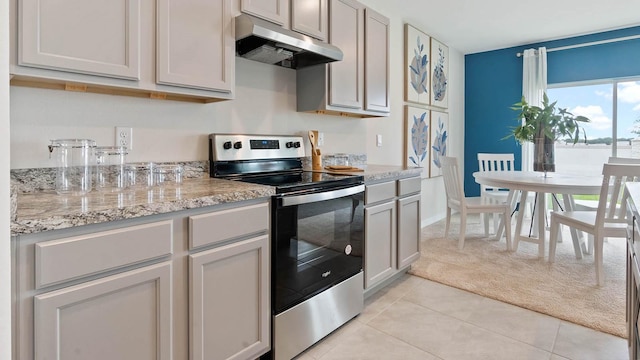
<point>614,110</point>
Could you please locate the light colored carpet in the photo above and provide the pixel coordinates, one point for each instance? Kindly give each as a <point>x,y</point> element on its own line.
<point>565,289</point>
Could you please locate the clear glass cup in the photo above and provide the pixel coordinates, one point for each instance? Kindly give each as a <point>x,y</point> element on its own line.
<point>139,175</point>
<point>111,173</point>
<point>165,174</point>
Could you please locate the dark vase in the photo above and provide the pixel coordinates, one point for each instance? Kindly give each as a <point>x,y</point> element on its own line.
<point>543,159</point>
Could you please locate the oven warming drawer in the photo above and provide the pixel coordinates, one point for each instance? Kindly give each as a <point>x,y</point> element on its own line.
<point>306,323</point>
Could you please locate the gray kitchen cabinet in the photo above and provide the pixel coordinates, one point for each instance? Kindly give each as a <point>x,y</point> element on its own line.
<point>155,287</point>
<point>229,292</point>
<point>195,45</point>
<point>376,67</point>
<point>165,49</point>
<point>276,11</point>
<point>408,230</point>
<point>380,243</point>
<point>124,316</point>
<point>310,17</point>
<point>229,301</point>
<point>90,37</point>
<point>392,229</point>
<point>357,86</point>
<point>346,31</point>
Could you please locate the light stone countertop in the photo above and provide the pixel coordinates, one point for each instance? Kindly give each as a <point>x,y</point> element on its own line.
<point>45,210</point>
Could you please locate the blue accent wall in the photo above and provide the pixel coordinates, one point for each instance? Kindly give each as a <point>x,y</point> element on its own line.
<point>493,82</point>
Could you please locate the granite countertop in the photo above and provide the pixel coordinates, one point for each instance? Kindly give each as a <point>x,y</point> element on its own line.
<point>44,210</point>
<point>374,172</point>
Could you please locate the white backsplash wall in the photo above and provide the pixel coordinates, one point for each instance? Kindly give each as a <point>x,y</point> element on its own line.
<point>170,130</point>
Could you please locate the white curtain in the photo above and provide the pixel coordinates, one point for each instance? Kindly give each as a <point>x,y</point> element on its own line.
<point>534,85</point>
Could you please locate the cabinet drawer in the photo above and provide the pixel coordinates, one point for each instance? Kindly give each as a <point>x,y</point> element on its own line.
<point>208,229</point>
<point>409,186</point>
<point>380,192</point>
<point>68,258</point>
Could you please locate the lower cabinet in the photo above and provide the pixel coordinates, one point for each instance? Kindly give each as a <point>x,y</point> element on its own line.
<point>191,284</point>
<point>229,301</point>
<point>392,228</point>
<point>380,243</point>
<point>409,230</point>
<point>124,316</point>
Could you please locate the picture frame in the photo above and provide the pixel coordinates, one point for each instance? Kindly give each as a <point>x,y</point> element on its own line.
<point>439,130</point>
<point>417,65</point>
<point>439,74</point>
<point>418,141</point>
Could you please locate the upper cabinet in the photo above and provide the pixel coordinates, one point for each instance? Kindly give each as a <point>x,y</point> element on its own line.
<point>276,11</point>
<point>166,49</point>
<point>90,37</point>
<point>191,52</point>
<point>346,31</point>
<point>310,17</point>
<point>376,67</point>
<point>357,86</point>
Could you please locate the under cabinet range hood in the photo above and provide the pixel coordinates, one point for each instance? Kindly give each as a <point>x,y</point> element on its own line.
<point>260,40</point>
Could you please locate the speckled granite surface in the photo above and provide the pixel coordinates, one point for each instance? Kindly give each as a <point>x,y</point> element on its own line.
<point>46,210</point>
<point>40,209</point>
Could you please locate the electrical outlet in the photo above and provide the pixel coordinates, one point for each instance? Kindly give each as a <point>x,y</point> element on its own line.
<point>320,139</point>
<point>124,137</point>
<point>379,140</point>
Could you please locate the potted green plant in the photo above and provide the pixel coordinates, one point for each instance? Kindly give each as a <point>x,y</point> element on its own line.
<point>543,126</point>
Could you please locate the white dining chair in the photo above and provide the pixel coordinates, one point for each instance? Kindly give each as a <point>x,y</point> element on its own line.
<point>499,162</point>
<point>608,221</point>
<point>456,200</point>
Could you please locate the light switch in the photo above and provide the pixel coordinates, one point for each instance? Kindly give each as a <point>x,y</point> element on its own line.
<point>379,140</point>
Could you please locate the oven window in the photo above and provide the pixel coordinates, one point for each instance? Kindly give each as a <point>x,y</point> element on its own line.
<point>316,245</point>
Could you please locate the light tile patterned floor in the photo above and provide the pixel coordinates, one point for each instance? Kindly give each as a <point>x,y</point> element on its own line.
<point>414,318</point>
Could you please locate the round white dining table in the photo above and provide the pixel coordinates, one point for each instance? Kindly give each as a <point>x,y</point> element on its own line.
<point>531,181</point>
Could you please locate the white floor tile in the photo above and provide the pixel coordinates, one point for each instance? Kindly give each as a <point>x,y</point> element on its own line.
<point>578,342</point>
<point>414,318</point>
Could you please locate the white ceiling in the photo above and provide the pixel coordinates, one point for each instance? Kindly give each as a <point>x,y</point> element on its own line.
<point>472,26</point>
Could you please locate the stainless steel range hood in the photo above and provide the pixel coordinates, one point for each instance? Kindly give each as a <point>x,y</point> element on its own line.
<point>260,40</point>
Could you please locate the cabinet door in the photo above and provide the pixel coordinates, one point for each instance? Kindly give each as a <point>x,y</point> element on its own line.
<point>380,243</point>
<point>84,36</point>
<point>276,11</point>
<point>310,17</point>
<point>346,31</point>
<point>196,48</point>
<point>408,230</point>
<point>125,316</point>
<point>376,66</point>
<point>229,301</point>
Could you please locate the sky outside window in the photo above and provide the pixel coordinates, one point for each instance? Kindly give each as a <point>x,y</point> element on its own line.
<point>596,103</point>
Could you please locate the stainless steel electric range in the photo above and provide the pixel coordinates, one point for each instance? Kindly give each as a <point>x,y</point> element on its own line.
<point>317,236</point>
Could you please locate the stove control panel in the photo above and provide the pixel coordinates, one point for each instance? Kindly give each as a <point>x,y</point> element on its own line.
<point>234,147</point>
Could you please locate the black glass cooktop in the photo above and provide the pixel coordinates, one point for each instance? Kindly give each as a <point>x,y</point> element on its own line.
<point>295,181</point>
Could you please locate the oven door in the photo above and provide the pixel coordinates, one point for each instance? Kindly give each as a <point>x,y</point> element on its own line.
<point>317,242</point>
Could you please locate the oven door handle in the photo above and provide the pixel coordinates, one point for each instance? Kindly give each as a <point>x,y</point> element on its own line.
<point>321,196</point>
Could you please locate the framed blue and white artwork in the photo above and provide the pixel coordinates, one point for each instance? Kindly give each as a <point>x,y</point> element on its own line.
<point>439,141</point>
<point>418,147</point>
<point>439,74</point>
<point>417,65</point>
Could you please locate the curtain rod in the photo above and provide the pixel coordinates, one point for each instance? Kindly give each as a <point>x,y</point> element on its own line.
<point>589,44</point>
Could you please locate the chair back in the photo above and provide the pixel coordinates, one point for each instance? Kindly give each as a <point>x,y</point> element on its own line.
<point>621,160</point>
<point>612,203</point>
<point>452,182</point>
<point>495,162</point>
